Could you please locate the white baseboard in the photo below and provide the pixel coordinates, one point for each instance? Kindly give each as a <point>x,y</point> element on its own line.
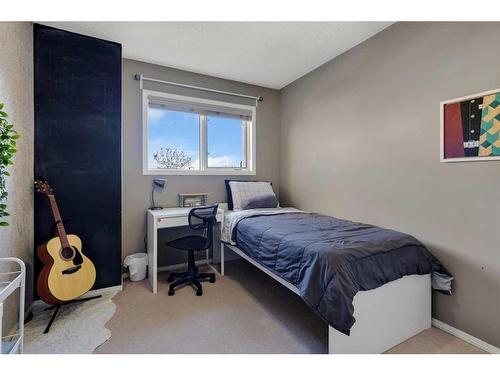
<point>466,337</point>
<point>173,267</point>
<point>182,265</point>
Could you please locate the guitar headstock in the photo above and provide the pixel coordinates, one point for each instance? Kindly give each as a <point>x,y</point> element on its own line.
<point>43,187</point>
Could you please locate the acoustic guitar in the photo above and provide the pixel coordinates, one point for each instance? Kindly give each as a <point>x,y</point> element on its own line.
<point>66,272</point>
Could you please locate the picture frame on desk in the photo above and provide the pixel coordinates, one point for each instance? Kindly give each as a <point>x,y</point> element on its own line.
<point>193,199</point>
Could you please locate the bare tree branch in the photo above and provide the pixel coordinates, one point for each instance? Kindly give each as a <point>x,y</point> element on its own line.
<point>169,158</point>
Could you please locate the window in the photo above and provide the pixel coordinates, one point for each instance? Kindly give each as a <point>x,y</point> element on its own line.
<point>173,139</point>
<point>226,142</point>
<point>184,135</point>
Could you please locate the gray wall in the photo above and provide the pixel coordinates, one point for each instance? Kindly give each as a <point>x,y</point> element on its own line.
<point>137,187</point>
<point>16,92</point>
<point>360,140</point>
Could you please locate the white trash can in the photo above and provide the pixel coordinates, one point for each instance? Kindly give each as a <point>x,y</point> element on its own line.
<point>137,266</point>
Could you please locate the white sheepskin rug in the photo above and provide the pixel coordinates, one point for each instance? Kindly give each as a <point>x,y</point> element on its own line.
<point>78,329</point>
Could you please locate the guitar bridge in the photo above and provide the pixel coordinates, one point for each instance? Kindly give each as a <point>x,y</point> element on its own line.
<point>71,270</point>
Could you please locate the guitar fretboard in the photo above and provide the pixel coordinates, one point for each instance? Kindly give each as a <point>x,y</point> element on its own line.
<point>61,232</point>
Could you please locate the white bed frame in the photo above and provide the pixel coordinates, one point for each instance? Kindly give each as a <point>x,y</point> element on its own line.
<point>385,316</point>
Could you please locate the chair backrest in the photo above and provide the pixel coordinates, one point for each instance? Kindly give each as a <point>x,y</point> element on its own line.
<point>204,218</point>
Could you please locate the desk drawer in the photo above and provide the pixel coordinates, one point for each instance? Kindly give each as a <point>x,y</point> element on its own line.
<point>177,221</point>
<point>167,222</point>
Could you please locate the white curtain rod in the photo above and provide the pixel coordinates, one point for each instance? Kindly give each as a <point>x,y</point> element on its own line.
<point>141,78</point>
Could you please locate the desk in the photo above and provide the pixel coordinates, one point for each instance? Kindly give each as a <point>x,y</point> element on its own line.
<point>166,218</point>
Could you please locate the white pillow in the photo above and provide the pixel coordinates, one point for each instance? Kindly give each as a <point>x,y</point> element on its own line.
<point>241,191</point>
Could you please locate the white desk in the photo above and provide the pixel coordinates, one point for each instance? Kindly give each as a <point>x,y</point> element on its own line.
<point>166,218</point>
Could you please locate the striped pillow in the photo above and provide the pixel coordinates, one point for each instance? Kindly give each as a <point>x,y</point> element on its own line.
<point>243,191</point>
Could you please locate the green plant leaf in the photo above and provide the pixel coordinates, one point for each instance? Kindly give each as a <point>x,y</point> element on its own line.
<point>8,148</point>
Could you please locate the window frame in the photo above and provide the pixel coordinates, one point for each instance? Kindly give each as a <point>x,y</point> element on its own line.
<point>250,144</point>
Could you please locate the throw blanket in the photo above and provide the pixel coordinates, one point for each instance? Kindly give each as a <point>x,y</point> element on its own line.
<point>328,259</point>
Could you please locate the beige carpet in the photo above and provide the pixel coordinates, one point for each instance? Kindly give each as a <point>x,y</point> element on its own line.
<point>435,341</point>
<point>243,312</point>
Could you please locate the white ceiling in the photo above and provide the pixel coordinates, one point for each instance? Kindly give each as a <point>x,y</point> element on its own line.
<point>270,54</point>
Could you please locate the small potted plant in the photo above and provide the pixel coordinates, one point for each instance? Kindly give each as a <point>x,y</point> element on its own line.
<point>8,138</point>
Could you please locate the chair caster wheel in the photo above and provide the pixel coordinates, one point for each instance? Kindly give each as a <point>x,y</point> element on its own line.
<point>171,292</point>
<point>199,292</point>
<point>170,278</point>
<point>212,279</point>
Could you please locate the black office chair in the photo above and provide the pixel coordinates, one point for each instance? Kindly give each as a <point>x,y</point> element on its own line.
<point>199,218</point>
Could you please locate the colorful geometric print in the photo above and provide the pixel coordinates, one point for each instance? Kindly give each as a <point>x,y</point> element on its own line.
<point>489,140</point>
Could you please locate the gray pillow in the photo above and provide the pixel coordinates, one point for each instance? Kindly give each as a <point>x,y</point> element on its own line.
<point>260,201</point>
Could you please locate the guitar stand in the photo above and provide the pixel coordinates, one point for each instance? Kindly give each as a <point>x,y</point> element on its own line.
<point>58,306</point>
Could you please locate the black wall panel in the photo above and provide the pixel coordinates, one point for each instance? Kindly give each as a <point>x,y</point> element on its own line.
<point>78,143</point>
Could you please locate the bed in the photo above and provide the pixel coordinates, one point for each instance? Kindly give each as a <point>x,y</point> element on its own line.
<point>371,285</point>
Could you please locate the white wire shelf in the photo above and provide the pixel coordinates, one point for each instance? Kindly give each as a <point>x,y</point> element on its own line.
<point>9,283</point>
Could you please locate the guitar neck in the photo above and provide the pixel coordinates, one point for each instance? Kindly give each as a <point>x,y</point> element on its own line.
<point>61,231</point>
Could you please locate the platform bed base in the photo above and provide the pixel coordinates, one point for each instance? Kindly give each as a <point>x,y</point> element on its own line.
<point>385,317</point>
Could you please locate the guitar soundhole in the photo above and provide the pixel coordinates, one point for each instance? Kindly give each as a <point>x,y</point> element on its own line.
<point>68,253</point>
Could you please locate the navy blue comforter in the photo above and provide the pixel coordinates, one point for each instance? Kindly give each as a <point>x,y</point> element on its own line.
<point>329,260</point>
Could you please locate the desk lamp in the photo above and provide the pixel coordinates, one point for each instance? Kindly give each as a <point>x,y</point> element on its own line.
<point>158,184</point>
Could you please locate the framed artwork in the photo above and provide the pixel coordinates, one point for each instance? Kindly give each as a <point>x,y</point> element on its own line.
<point>470,128</point>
